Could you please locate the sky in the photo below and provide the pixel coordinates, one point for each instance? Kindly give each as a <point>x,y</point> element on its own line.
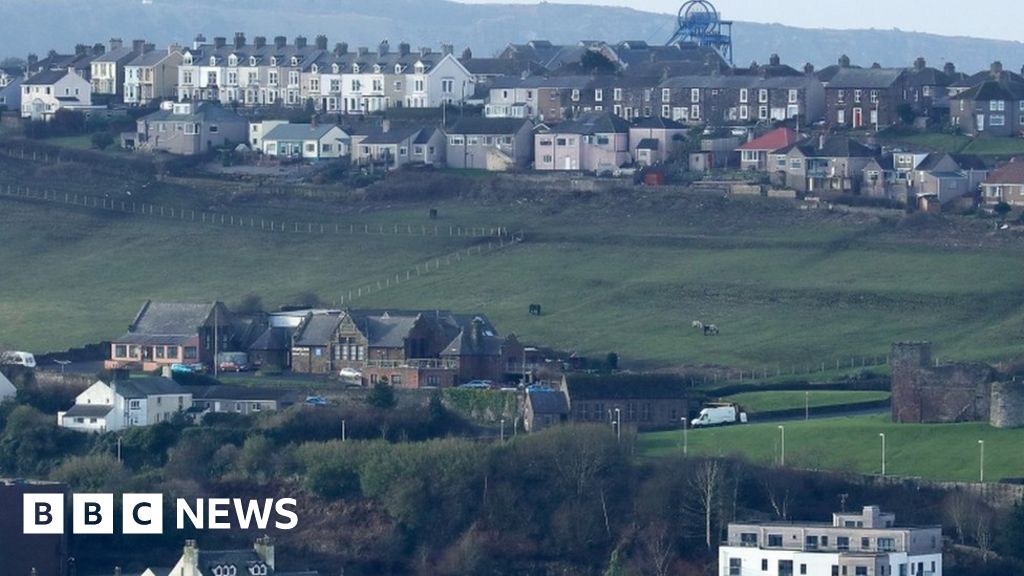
<point>934,16</point>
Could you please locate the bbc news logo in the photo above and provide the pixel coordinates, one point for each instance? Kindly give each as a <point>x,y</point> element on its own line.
<point>144,514</point>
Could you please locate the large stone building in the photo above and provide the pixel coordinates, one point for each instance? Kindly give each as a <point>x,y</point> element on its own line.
<point>924,392</point>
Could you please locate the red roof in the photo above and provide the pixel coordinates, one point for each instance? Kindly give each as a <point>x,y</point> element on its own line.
<point>1011,173</point>
<point>772,141</point>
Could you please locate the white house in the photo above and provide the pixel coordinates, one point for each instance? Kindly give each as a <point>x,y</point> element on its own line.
<point>152,75</point>
<point>7,390</point>
<point>306,141</point>
<point>260,560</point>
<point>47,92</point>
<point>257,130</point>
<point>125,404</point>
<point>866,543</point>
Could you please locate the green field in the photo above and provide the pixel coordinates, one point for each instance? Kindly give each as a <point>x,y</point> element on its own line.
<point>788,400</point>
<point>936,452</point>
<point>627,272</point>
<point>959,144</point>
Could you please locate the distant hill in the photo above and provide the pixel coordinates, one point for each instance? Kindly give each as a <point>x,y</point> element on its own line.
<point>39,25</point>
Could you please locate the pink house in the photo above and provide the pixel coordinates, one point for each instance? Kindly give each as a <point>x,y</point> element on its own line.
<point>593,142</point>
<point>165,333</point>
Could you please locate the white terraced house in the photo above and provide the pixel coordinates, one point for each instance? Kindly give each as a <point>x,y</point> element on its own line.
<point>867,543</point>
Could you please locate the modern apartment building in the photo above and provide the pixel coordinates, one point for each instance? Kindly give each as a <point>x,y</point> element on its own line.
<point>867,543</point>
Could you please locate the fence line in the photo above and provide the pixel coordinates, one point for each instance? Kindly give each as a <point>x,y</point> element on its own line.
<point>431,265</point>
<point>805,369</point>
<point>263,224</point>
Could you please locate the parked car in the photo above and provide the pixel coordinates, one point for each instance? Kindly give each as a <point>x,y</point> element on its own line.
<point>317,401</point>
<point>25,359</point>
<point>195,368</point>
<point>477,385</point>
<point>233,362</point>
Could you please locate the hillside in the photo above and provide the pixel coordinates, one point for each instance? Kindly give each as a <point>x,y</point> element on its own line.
<point>485,28</point>
<point>625,271</point>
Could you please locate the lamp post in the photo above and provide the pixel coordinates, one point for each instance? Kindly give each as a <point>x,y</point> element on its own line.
<point>882,436</point>
<point>686,441</point>
<point>618,425</point>
<point>782,452</point>
<point>981,443</point>
<point>343,430</point>
<point>502,429</point>
<point>62,363</point>
<point>807,405</point>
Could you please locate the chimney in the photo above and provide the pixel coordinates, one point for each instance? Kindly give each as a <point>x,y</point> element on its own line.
<point>383,48</point>
<point>341,48</point>
<point>98,49</point>
<point>809,69</point>
<point>171,48</point>
<point>920,64</point>
<point>321,42</point>
<point>477,336</point>
<point>220,42</point>
<point>997,69</point>
<point>821,141</point>
<point>138,46</point>
<point>447,49</point>
<point>844,61</point>
<point>300,42</point>
<point>190,557</point>
<point>33,61</point>
<point>148,47</point>
<point>424,51</point>
<point>239,39</point>
<point>949,68</point>
<point>264,548</point>
<point>116,44</point>
<point>260,41</point>
<point>198,41</point>
<point>280,42</point>
<point>774,60</point>
<point>876,66</point>
<point>363,51</point>
<point>404,49</point>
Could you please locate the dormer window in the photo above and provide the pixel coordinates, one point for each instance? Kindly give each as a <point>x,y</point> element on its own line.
<point>225,570</point>
<point>334,68</point>
<point>273,60</point>
<point>252,61</point>
<point>376,68</point>
<point>314,69</point>
<point>232,60</point>
<point>355,68</point>
<point>258,569</point>
<point>295,61</point>
<point>187,59</point>
<point>213,60</point>
<point>398,68</point>
<point>420,68</point>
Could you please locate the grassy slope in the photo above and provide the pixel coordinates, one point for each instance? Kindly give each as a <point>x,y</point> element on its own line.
<point>939,452</point>
<point>787,289</point>
<point>767,401</point>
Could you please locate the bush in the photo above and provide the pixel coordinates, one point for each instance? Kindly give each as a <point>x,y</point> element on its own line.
<point>102,140</point>
<point>382,396</point>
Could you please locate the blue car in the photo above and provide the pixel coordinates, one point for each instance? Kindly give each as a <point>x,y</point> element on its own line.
<point>316,401</point>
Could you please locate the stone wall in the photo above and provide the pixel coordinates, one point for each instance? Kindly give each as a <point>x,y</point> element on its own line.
<point>1007,405</point>
<point>923,393</point>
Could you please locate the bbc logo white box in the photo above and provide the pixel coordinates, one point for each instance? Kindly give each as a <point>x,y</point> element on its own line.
<point>43,513</point>
<point>142,514</point>
<point>92,513</point>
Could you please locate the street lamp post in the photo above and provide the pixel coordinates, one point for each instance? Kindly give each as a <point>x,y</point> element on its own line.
<point>618,425</point>
<point>882,436</point>
<point>342,430</point>
<point>782,453</point>
<point>807,405</point>
<point>686,440</point>
<point>63,364</point>
<point>502,429</point>
<point>981,443</point>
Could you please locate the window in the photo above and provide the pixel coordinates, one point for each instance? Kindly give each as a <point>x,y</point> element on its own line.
<point>762,96</point>
<point>997,120</point>
<point>310,147</point>
<point>887,544</point>
<point>666,111</point>
<point>841,117</point>
<point>548,159</point>
<point>764,564</point>
<point>861,571</point>
<point>744,112</point>
<point>599,95</point>
<point>158,352</point>
<point>134,404</point>
<point>560,141</point>
<point>447,86</point>
<point>748,539</point>
<point>695,95</point>
<point>575,95</point>
<point>856,96</point>
<point>735,567</point>
<point>803,568</point>
<point>785,568</point>
<point>840,96</point>
<point>775,540</point>
<point>459,141</point>
<point>191,352</point>
<point>120,351</point>
<point>617,94</point>
<point>843,543</point>
<point>744,95</point>
<point>695,112</point>
<point>811,543</point>
<point>874,96</point>
<point>318,352</point>
<point>865,543</point>
<point>835,570</point>
<point>997,105</point>
<point>762,112</point>
<point>272,78</point>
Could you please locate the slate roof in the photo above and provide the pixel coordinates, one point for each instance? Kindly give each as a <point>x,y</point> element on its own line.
<point>115,55</point>
<point>969,162</point>
<point>388,331</point>
<point>993,90</point>
<point>150,58</point>
<point>317,330</point>
<point>548,402</point>
<point>538,82</point>
<point>299,132</point>
<point>1009,173</point>
<point>239,393</point>
<point>466,345</point>
<point>143,387</point>
<point>928,76</point>
<point>273,339</point>
<point>88,411</point>
<point>593,123</point>
<point>658,123</point>
<point>836,147</point>
<point>648,144</point>
<point>240,559</point>
<point>771,141</point>
<point>172,318</point>
<point>728,81</point>
<point>491,66</point>
<point>504,126</point>
<point>626,386</point>
<point>393,136</point>
<point>869,78</point>
<point>46,78</point>
<point>931,161</point>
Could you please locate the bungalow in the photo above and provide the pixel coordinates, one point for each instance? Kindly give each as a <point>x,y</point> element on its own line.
<point>495,144</point>
<point>754,154</point>
<point>594,142</point>
<point>239,399</point>
<point>1005,184</point>
<point>544,409</point>
<point>653,140</point>
<point>397,147</point>
<point>165,333</point>
<point>641,402</point>
<point>306,141</point>
<point>125,404</point>
<point>188,128</point>
<point>47,92</point>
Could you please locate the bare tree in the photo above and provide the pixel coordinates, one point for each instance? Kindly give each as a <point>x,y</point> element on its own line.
<point>706,486</point>
<point>777,486</point>
<point>657,547</point>
<point>959,509</point>
<point>983,529</point>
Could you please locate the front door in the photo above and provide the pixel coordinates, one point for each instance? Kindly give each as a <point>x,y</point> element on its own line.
<point>858,117</point>
<point>568,163</point>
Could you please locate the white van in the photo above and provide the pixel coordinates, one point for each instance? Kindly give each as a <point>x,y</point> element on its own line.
<point>25,359</point>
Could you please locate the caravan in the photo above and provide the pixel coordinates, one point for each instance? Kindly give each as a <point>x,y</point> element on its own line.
<point>25,359</point>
